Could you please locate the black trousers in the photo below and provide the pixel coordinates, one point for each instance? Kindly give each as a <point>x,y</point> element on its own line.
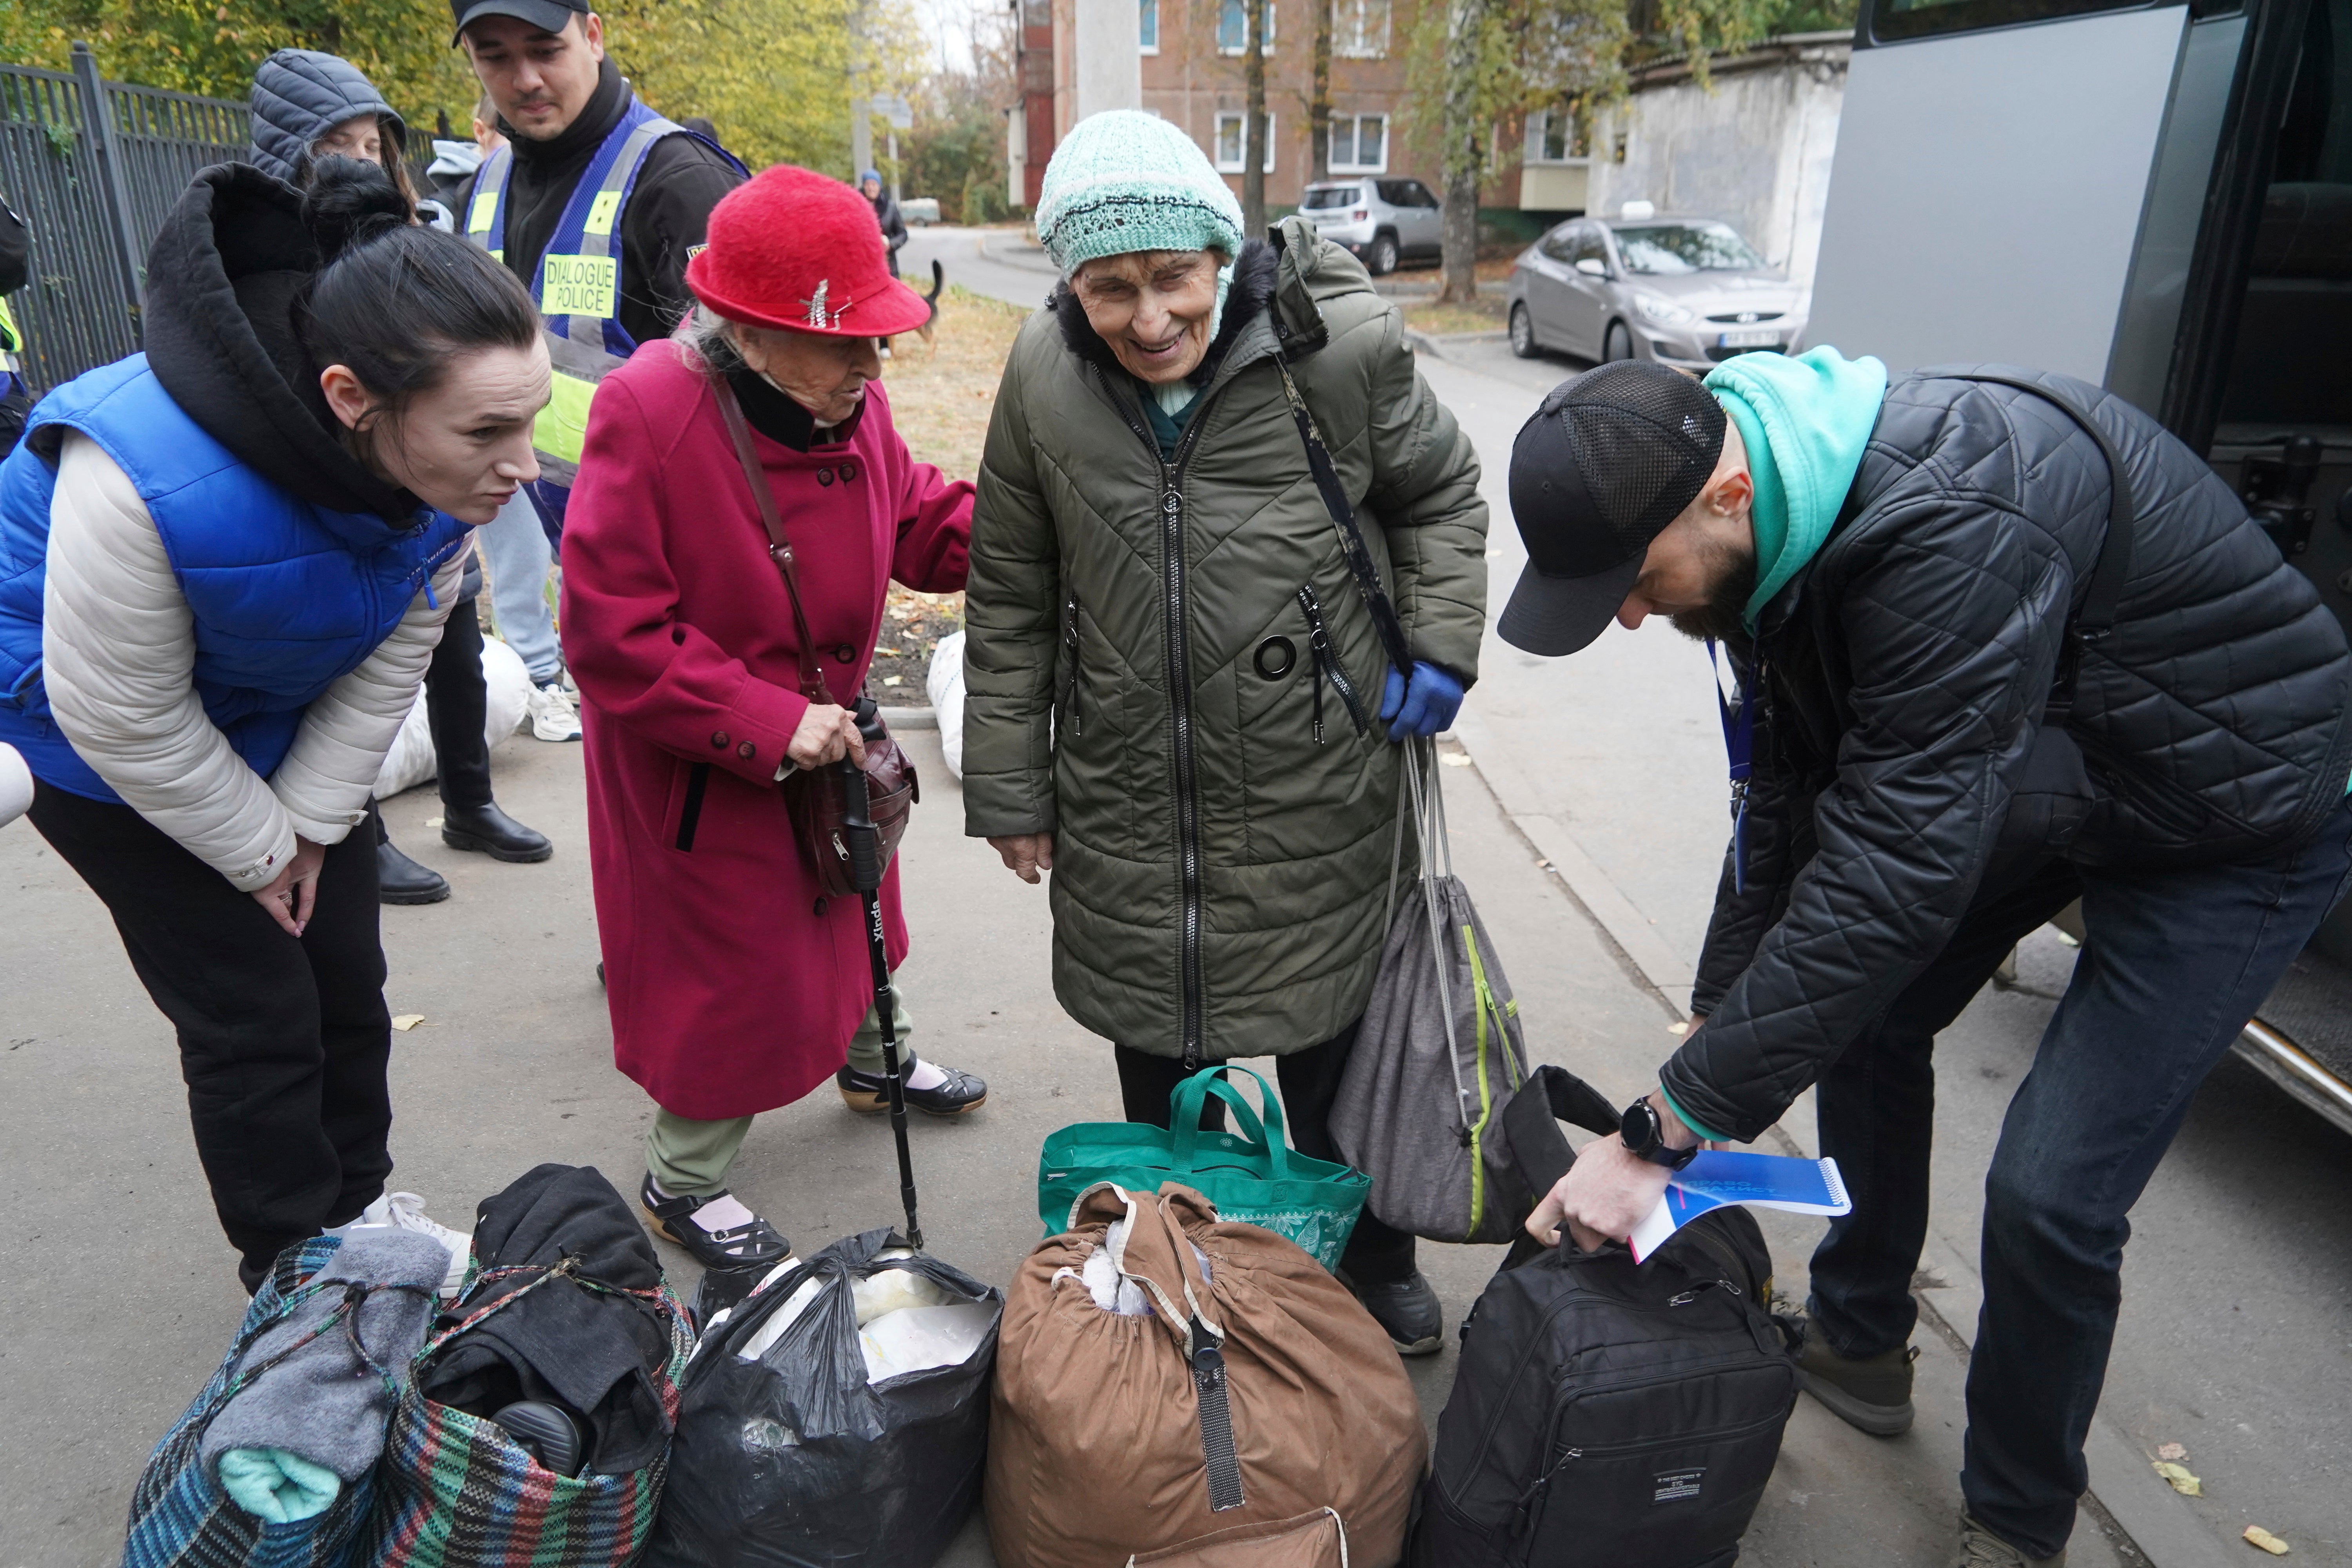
<point>1309,1079</point>
<point>283,1042</point>
<point>457,706</point>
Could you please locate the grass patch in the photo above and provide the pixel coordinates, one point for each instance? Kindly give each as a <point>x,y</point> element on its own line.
<point>1486,316</point>
<point>941,395</point>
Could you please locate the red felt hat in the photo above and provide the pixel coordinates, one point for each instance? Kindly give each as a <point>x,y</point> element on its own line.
<point>795,250</point>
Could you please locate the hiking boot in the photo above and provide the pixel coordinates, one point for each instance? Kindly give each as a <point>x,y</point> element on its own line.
<point>1872,1393</point>
<point>1980,1548</point>
<point>1406,1310</point>
<point>955,1093</point>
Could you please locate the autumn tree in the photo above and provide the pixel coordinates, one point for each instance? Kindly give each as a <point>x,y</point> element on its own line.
<point>1254,147</point>
<point>770,73</point>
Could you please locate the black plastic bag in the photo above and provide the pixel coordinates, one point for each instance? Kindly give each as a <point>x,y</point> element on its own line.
<point>795,1460</point>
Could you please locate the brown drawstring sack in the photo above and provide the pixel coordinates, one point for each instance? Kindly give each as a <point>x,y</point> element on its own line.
<point>1255,1391</point>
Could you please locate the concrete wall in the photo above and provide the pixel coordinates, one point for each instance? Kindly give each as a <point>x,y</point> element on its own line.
<point>1753,147</point>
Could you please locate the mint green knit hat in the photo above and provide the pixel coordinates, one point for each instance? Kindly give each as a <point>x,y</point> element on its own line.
<point>1124,180</point>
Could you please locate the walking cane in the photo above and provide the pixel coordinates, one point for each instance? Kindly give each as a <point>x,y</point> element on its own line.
<point>865,847</point>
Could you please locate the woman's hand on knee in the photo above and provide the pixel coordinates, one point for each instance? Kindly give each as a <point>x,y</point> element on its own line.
<point>827,733</point>
<point>290,899</point>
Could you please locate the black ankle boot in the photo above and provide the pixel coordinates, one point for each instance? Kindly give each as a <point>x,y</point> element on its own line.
<point>400,880</point>
<point>491,831</point>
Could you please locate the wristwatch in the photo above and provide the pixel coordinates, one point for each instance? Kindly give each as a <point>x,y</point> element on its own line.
<point>1645,1137</point>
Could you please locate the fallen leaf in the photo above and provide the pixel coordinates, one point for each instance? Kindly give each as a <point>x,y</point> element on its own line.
<point>2172,1451</point>
<point>434,821</point>
<point>1456,760</point>
<point>1678,1028</point>
<point>2179,1479</point>
<point>891,651</point>
<point>407,1021</point>
<point>2257,1536</point>
<point>892,679</point>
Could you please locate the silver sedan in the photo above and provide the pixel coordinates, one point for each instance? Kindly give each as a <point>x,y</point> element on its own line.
<point>1684,291</point>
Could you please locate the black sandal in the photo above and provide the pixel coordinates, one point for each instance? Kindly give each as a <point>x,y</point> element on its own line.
<point>758,1245</point>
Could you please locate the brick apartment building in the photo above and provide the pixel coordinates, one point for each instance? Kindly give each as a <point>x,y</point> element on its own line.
<point>1189,60</point>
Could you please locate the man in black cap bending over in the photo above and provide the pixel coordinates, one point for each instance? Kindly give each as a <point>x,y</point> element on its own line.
<point>2003,643</point>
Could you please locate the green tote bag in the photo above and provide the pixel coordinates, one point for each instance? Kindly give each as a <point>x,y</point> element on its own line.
<point>1252,1176</point>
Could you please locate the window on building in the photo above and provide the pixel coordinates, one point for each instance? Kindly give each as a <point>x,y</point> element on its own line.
<point>1233,27</point>
<point>1360,143</point>
<point>1150,32</point>
<point>1558,136</point>
<point>1231,131</point>
<point>1359,29</point>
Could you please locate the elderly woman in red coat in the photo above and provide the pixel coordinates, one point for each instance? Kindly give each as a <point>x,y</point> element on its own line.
<point>735,986</point>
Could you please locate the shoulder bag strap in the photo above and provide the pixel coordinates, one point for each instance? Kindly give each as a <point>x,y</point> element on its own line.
<point>1351,536</point>
<point>2090,624</point>
<point>780,549</point>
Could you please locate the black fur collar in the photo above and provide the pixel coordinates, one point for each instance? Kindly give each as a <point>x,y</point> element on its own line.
<point>1245,300</point>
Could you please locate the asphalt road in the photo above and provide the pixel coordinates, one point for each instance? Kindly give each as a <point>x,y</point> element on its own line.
<point>2235,1338</point>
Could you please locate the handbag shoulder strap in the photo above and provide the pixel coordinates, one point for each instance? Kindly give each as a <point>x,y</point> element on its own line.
<point>2088,626</point>
<point>780,548</point>
<point>1389,629</point>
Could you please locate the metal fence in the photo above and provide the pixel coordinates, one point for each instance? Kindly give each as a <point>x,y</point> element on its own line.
<point>93,167</point>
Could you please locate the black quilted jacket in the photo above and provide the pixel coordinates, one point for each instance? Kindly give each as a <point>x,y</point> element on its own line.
<point>1906,673</point>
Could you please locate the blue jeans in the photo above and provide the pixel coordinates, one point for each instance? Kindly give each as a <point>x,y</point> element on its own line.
<point>2173,963</point>
<point>515,548</point>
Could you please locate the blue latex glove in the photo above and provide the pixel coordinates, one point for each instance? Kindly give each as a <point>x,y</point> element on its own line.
<point>1428,703</point>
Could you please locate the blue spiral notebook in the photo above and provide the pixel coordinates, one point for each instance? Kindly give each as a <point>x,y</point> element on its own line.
<point>1760,1181</point>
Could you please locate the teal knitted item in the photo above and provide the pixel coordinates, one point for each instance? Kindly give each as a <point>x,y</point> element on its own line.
<point>1124,180</point>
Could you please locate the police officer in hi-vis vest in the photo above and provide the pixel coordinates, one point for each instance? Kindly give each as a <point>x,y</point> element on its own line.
<point>596,202</point>
<point>15,267</point>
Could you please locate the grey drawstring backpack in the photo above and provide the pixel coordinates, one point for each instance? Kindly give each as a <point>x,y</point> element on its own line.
<point>1439,1052</point>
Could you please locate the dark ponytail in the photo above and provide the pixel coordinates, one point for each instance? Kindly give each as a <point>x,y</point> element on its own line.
<point>396,302</point>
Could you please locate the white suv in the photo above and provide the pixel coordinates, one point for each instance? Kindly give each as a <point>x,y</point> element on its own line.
<point>1382,221</point>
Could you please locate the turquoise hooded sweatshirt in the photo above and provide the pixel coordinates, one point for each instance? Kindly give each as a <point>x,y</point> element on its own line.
<point>1805,421</point>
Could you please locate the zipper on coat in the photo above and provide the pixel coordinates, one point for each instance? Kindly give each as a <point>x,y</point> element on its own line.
<point>1327,665</point>
<point>1176,654</point>
<point>1070,720</point>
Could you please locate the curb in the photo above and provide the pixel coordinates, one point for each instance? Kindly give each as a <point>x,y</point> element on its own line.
<point>911,718</point>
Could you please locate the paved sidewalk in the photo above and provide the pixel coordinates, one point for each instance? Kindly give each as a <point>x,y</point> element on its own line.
<point>123,1294</point>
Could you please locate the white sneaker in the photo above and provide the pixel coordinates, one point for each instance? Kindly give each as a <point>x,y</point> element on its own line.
<point>405,1211</point>
<point>552,716</point>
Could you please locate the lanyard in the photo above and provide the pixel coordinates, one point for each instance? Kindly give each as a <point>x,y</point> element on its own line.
<point>1738,718</point>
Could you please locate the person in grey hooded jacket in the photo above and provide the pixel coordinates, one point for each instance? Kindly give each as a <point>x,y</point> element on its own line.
<point>308,105</point>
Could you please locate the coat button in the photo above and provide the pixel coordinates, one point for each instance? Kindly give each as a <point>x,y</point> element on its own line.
<point>747,750</point>
<point>718,740</point>
<point>825,476</point>
<point>847,653</point>
<point>848,472</point>
<point>820,907</point>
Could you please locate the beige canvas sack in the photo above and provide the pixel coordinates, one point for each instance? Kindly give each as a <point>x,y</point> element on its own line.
<point>1256,1390</point>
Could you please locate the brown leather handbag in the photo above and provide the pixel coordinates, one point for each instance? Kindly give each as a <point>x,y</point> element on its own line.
<point>814,796</point>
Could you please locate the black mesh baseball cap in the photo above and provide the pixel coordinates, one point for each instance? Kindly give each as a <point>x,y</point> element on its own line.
<point>547,15</point>
<point>1611,458</point>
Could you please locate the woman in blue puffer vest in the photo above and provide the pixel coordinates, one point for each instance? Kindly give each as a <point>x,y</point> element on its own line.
<point>224,566</point>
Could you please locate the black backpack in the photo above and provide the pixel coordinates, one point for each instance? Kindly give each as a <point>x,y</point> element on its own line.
<point>1607,1413</point>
